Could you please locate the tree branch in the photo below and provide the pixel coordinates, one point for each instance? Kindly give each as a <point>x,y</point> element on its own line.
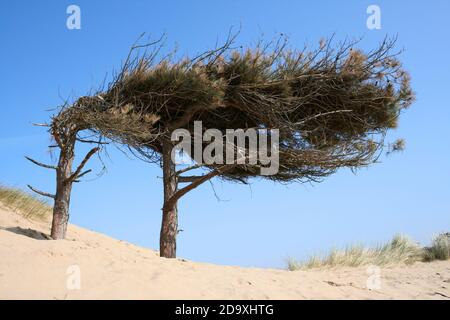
<point>83,173</point>
<point>190,187</point>
<point>77,174</point>
<point>47,166</point>
<point>196,166</point>
<point>186,179</point>
<point>321,115</point>
<point>90,141</point>
<point>41,124</point>
<point>42,193</point>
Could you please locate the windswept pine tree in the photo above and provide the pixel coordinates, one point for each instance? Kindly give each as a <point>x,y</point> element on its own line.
<point>330,108</point>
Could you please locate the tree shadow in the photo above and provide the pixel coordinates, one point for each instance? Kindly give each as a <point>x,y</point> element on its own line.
<point>31,233</point>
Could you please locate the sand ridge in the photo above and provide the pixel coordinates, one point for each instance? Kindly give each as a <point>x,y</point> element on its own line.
<point>89,265</point>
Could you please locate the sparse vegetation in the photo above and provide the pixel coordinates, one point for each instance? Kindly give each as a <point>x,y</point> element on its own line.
<point>25,204</point>
<point>400,250</point>
<point>440,248</point>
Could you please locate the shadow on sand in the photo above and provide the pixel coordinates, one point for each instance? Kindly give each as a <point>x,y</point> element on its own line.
<point>31,233</point>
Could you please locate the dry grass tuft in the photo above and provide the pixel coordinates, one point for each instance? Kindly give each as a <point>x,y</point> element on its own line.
<point>25,204</point>
<point>399,250</point>
<point>440,248</point>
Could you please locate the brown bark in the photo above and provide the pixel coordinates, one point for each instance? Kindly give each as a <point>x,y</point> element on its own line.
<point>63,189</point>
<point>169,226</point>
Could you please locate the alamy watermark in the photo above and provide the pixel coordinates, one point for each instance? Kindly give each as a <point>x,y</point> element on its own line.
<point>73,281</point>
<point>258,147</point>
<point>374,19</point>
<point>73,21</point>
<point>373,281</point>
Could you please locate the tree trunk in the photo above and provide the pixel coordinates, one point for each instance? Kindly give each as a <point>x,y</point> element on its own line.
<point>63,190</point>
<point>169,226</point>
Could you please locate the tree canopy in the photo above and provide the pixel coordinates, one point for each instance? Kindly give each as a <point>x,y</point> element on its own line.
<point>331,105</point>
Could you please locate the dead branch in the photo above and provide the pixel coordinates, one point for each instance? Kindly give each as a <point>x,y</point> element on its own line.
<point>41,124</point>
<point>193,185</point>
<point>47,166</point>
<point>186,179</point>
<point>193,167</point>
<point>91,141</point>
<point>82,174</point>
<point>42,193</point>
<point>76,174</point>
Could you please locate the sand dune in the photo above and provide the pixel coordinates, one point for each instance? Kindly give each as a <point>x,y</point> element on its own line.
<point>32,267</point>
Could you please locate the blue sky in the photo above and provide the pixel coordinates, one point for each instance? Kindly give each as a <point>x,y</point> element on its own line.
<point>43,62</point>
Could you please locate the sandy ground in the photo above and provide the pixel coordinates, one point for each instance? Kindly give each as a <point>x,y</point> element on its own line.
<point>89,265</point>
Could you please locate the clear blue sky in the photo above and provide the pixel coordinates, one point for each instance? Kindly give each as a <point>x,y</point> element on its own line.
<point>43,62</point>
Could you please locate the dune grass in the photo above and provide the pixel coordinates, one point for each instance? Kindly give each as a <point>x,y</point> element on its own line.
<point>400,250</point>
<point>440,248</point>
<point>24,203</point>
